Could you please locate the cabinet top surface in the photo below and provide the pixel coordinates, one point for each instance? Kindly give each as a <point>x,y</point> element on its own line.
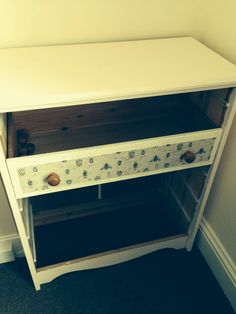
<point>55,76</point>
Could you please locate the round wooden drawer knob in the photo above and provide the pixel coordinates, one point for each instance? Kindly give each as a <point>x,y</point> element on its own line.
<point>53,179</point>
<point>189,156</point>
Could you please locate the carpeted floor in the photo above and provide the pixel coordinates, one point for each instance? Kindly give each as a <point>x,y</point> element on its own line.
<point>164,282</point>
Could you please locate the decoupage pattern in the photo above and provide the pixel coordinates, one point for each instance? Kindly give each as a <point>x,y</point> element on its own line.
<point>93,169</point>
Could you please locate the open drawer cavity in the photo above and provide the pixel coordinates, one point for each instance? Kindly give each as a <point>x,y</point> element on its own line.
<point>98,143</point>
<point>120,215</point>
<point>51,130</point>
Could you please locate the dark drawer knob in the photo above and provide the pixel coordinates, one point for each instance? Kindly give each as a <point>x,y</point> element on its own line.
<point>22,136</point>
<point>189,156</point>
<point>25,149</point>
<point>53,179</point>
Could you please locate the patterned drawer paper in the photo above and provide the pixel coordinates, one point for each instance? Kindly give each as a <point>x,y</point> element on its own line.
<point>92,169</point>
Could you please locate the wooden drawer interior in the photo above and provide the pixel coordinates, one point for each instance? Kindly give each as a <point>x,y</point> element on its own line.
<point>122,214</point>
<point>50,130</point>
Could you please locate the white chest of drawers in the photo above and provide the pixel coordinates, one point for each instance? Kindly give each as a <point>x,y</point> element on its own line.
<point>177,102</point>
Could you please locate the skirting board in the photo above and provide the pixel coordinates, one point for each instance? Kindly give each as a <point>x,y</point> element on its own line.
<point>218,260</point>
<point>10,247</point>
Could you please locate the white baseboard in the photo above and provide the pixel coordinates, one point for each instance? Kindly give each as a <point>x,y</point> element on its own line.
<point>218,260</point>
<point>10,248</point>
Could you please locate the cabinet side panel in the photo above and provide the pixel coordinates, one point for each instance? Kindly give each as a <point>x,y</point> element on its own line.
<point>17,216</point>
<point>3,132</point>
<point>229,116</point>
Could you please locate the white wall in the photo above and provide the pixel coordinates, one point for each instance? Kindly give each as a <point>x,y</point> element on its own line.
<point>27,22</point>
<point>7,226</point>
<point>9,240</point>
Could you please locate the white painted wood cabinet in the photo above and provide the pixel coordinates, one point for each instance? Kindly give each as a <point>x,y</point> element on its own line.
<point>108,151</point>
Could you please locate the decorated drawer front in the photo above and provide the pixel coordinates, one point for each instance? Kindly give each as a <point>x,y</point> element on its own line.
<point>35,175</point>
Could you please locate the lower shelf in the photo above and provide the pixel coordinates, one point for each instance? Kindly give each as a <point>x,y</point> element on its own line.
<point>82,223</point>
<point>89,235</point>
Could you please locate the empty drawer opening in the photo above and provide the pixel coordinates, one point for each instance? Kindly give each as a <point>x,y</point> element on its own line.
<point>50,130</point>
<point>120,215</point>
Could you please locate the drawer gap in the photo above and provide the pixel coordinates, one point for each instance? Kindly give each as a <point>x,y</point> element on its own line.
<point>51,130</point>
<point>99,233</point>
